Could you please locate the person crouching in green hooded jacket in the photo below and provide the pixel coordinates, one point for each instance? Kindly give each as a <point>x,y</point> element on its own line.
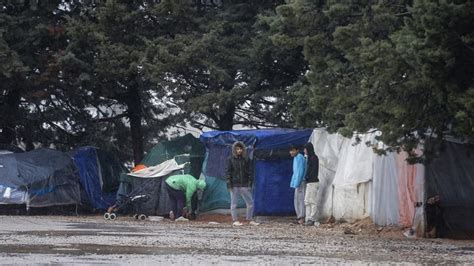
<point>181,189</point>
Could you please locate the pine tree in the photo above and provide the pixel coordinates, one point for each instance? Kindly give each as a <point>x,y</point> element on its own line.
<point>31,34</point>
<point>222,69</point>
<point>402,68</point>
<point>103,63</point>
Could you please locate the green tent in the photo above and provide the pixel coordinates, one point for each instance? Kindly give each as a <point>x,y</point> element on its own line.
<point>184,149</point>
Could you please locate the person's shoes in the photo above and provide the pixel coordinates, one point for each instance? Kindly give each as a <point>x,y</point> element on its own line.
<point>254,223</point>
<point>301,221</point>
<point>172,215</point>
<point>182,219</point>
<point>296,221</point>
<point>309,223</point>
<point>237,223</point>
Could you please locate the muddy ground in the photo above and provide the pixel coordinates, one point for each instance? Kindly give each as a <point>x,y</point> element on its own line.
<point>91,240</point>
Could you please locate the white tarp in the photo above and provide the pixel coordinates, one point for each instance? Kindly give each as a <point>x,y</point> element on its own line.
<point>345,174</point>
<point>352,202</point>
<point>327,147</point>
<point>356,182</point>
<point>161,169</point>
<point>385,188</point>
<point>355,162</point>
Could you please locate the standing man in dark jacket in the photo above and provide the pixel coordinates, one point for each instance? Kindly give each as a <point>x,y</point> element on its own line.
<point>239,182</point>
<point>312,183</point>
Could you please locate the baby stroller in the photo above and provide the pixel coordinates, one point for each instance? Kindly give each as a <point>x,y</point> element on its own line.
<point>130,203</point>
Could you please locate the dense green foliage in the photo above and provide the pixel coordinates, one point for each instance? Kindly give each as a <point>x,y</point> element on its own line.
<point>220,67</point>
<point>403,67</point>
<point>119,74</point>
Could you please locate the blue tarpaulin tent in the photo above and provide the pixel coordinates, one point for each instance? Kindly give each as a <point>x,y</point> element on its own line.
<point>99,176</point>
<point>272,167</point>
<point>39,178</point>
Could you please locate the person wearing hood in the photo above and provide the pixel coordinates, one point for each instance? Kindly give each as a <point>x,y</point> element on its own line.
<point>181,189</point>
<point>239,182</point>
<point>312,183</point>
<point>298,183</point>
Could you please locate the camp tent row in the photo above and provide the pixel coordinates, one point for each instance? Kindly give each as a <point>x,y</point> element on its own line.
<point>355,182</point>
<point>347,173</point>
<point>46,177</point>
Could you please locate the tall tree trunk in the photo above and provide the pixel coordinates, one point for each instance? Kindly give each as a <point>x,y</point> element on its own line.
<point>226,121</point>
<point>134,105</point>
<point>10,116</point>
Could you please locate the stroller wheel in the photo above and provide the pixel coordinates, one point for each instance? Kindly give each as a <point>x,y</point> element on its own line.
<point>142,217</point>
<point>107,216</point>
<point>113,216</point>
<point>135,216</point>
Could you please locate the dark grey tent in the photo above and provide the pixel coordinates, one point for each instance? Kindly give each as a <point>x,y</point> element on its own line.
<point>39,178</point>
<point>159,202</point>
<point>186,150</point>
<point>451,177</point>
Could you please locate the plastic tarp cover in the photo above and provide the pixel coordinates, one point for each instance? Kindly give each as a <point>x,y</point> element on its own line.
<point>60,195</point>
<point>216,195</point>
<point>410,188</point>
<point>385,206</point>
<point>8,170</point>
<point>272,194</point>
<point>345,175</point>
<point>216,158</point>
<point>165,203</point>
<point>150,181</point>
<point>158,203</point>
<point>49,177</point>
<point>162,169</point>
<point>12,195</point>
<point>87,162</point>
<point>356,183</point>
<point>327,147</point>
<point>110,169</point>
<point>355,164</point>
<point>260,138</point>
<point>352,202</point>
<point>267,172</point>
<point>36,166</point>
<point>151,188</point>
<point>451,176</point>
<point>187,144</point>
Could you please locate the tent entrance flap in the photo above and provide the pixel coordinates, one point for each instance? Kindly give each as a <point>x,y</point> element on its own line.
<point>272,194</point>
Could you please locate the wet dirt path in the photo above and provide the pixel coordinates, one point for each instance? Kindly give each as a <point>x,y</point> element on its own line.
<point>91,240</point>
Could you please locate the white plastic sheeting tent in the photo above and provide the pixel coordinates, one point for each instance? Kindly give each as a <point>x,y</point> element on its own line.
<point>357,183</point>
<point>159,170</point>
